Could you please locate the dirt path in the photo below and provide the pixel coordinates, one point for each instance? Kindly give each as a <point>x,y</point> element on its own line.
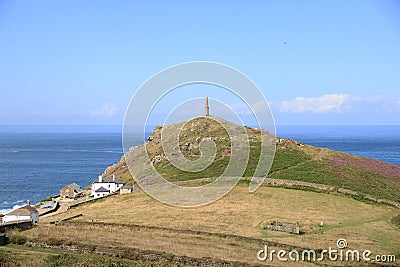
<point>63,207</point>
<point>322,151</point>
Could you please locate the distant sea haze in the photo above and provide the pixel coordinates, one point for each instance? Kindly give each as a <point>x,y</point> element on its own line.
<point>37,161</point>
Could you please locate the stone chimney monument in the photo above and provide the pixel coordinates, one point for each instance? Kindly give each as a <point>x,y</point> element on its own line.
<point>207,108</point>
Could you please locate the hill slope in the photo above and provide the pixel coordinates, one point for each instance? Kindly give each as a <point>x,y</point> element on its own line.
<point>229,232</point>
<point>293,161</point>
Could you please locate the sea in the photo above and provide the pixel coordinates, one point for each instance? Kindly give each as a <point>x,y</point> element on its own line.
<point>37,161</point>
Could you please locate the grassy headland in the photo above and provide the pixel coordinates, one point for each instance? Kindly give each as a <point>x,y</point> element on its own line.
<point>293,161</point>
<point>229,232</point>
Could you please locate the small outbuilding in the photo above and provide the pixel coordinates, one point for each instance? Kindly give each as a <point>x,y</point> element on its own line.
<point>70,191</point>
<point>126,189</point>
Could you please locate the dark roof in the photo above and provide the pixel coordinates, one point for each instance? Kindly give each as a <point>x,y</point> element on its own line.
<point>25,210</point>
<point>75,187</point>
<point>101,190</point>
<point>109,181</point>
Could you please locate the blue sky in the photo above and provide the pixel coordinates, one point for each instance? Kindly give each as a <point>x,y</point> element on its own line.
<point>317,62</point>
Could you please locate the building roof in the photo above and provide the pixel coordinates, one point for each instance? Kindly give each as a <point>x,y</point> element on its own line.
<point>108,181</point>
<point>102,190</point>
<point>75,187</point>
<point>25,210</point>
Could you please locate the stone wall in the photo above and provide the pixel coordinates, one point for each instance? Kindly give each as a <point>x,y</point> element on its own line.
<point>293,228</point>
<point>67,192</point>
<point>137,254</point>
<point>22,225</point>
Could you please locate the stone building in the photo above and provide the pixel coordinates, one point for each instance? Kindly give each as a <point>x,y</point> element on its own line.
<point>70,191</point>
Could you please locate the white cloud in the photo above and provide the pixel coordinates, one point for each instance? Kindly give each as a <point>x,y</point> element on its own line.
<point>107,110</point>
<point>34,113</point>
<point>376,104</point>
<point>340,103</point>
<point>321,104</point>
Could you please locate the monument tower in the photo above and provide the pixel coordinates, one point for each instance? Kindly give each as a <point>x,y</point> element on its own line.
<point>207,108</point>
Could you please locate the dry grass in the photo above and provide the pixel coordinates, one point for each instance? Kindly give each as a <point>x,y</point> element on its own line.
<point>187,244</point>
<point>239,213</point>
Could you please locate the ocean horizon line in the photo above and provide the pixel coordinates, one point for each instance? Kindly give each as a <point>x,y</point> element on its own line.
<point>120,125</point>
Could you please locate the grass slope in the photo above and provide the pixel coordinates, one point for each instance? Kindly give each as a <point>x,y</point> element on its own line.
<point>293,161</point>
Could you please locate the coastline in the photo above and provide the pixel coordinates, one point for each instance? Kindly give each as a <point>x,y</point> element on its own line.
<point>322,136</point>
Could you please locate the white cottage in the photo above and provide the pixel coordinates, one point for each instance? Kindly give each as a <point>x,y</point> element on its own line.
<point>105,186</point>
<point>21,214</point>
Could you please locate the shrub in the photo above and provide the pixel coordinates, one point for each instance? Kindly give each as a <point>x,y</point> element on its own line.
<point>91,247</point>
<point>6,259</point>
<point>17,239</point>
<point>167,255</point>
<point>69,243</point>
<point>54,241</point>
<point>49,198</point>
